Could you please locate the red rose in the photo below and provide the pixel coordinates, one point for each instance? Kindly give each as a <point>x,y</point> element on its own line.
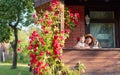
<point>18,49</point>
<point>43,43</point>
<point>41,53</point>
<point>56,52</point>
<point>77,15</point>
<point>49,22</point>
<point>46,64</point>
<point>46,15</point>
<point>48,52</point>
<point>33,58</point>
<point>55,1</point>
<point>32,55</point>
<point>35,49</point>
<point>36,70</point>
<point>71,15</point>
<point>76,22</point>
<point>39,64</point>
<point>35,34</point>
<point>36,45</point>
<point>60,56</point>
<point>30,47</point>
<point>31,41</point>
<point>61,37</point>
<point>19,41</point>
<point>46,31</point>
<point>61,45</point>
<point>56,13</point>
<point>40,19</point>
<point>67,30</point>
<point>43,27</point>
<point>62,32</point>
<point>51,8</point>
<point>40,39</point>
<point>34,15</point>
<point>55,37</point>
<point>36,22</point>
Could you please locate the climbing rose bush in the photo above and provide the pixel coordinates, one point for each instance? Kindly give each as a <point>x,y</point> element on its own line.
<point>45,44</point>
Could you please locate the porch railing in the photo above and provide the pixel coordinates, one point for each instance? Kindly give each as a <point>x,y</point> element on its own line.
<point>104,61</point>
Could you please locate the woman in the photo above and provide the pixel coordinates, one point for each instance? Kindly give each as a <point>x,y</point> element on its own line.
<point>91,41</point>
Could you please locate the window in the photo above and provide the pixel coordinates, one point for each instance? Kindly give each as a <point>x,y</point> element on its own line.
<point>102,27</point>
<point>102,15</point>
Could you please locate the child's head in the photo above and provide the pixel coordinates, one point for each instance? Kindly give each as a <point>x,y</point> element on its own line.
<point>82,38</point>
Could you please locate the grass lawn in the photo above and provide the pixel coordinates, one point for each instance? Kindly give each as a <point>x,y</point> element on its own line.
<point>22,69</point>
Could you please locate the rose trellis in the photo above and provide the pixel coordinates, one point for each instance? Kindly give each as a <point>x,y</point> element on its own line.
<point>45,45</point>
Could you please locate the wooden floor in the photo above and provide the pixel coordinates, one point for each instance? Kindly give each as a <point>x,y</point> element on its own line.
<point>104,61</point>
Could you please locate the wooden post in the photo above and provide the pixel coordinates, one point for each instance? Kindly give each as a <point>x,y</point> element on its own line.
<point>62,16</point>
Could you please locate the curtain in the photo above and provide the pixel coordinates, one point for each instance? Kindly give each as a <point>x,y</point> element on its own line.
<point>95,29</point>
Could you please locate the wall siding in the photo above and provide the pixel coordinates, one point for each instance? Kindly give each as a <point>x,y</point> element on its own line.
<point>80,29</point>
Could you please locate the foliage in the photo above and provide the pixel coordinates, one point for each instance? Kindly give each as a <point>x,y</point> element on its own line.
<point>23,42</point>
<point>71,19</point>
<point>22,50</point>
<point>14,14</point>
<point>11,9</point>
<point>10,12</point>
<point>45,45</point>
<point>4,29</point>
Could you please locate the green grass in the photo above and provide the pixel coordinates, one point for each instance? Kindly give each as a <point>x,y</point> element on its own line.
<point>22,69</point>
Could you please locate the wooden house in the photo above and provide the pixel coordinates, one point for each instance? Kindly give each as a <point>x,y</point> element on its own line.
<point>101,18</point>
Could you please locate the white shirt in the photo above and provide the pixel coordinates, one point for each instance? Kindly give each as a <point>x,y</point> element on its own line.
<point>81,44</point>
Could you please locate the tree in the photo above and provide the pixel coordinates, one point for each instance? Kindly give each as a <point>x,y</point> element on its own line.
<point>13,15</point>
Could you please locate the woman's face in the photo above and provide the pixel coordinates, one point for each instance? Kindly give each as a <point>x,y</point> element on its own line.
<point>88,40</point>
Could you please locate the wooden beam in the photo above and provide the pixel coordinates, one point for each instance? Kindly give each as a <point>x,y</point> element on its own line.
<point>113,3</point>
<point>41,2</point>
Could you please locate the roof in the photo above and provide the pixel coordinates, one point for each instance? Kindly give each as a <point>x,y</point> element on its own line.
<point>41,2</point>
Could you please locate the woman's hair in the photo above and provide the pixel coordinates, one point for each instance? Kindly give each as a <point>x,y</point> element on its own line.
<point>98,43</point>
<point>91,41</point>
<point>91,37</point>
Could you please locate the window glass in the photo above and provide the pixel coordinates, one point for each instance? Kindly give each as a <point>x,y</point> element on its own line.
<point>104,33</point>
<point>101,15</point>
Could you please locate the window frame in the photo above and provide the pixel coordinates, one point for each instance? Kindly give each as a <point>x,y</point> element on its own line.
<point>114,20</point>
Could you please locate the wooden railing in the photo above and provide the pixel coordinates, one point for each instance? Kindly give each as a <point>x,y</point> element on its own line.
<point>104,61</point>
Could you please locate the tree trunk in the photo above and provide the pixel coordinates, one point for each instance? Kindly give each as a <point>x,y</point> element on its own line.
<point>14,63</point>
